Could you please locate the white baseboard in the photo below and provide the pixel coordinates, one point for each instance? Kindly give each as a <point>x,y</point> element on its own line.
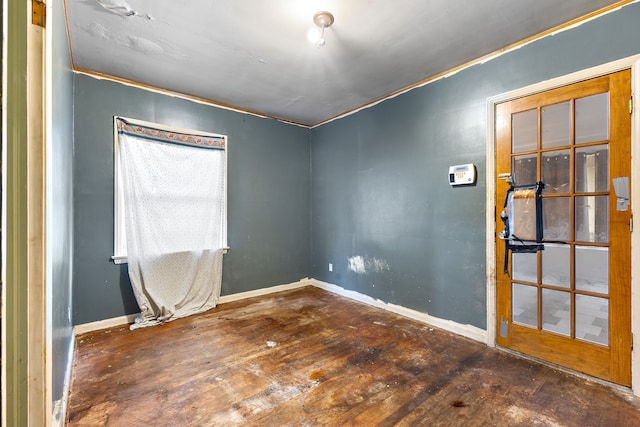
<point>59,415</point>
<point>104,324</point>
<point>264,291</point>
<point>468,331</point>
<point>130,318</point>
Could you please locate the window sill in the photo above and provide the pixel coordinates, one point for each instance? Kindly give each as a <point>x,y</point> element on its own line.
<point>122,259</point>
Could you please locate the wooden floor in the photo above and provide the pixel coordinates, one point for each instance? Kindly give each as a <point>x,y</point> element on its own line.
<point>307,357</point>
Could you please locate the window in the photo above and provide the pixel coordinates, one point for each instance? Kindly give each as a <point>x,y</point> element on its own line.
<point>149,133</point>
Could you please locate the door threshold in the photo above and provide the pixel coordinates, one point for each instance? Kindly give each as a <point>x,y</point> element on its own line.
<point>625,391</point>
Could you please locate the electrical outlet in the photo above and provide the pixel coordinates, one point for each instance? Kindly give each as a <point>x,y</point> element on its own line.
<point>330,267</point>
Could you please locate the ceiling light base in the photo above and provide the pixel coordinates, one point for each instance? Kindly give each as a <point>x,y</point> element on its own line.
<point>323,19</point>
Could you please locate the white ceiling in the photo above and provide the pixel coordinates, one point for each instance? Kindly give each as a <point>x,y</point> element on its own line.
<point>254,55</point>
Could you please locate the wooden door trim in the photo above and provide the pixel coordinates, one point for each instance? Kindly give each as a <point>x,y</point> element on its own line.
<point>38,328</point>
<point>633,63</point>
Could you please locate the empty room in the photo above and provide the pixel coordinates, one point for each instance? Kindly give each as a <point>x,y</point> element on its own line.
<point>320,212</point>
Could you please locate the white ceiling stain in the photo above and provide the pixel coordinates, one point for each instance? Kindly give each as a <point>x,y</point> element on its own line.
<point>121,8</point>
<point>139,44</point>
<point>254,55</point>
<point>145,46</point>
<point>98,30</point>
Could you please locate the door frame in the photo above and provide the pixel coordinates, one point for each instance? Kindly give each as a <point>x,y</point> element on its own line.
<point>633,63</point>
<point>26,334</point>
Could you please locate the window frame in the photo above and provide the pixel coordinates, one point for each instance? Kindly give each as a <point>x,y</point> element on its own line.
<point>119,237</point>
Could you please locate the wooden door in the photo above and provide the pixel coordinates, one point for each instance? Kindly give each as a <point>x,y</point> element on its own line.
<point>570,302</point>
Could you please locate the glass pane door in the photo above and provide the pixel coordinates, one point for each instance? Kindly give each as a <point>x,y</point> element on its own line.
<point>562,289</point>
<point>564,303</point>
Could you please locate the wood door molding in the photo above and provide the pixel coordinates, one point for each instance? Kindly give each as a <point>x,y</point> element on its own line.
<point>39,382</point>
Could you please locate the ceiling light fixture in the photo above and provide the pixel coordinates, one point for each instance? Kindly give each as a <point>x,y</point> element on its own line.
<point>323,20</point>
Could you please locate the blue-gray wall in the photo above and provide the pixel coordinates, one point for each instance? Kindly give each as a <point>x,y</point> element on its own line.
<point>367,193</point>
<point>268,194</point>
<point>380,195</point>
<point>60,237</point>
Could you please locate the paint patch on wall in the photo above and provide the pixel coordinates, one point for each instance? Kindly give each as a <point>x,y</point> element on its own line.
<point>356,264</point>
<point>363,265</point>
<point>378,265</point>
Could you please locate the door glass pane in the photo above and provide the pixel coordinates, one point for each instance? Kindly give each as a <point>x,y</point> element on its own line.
<point>525,305</point>
<point>524,131</point>
<point>592,169</point>
<point>556,265</point>
<point>592,219</point>
<point>592,269</point>
<point>556,218</point>
<point>525,169</point>
<point>592,319</point>
<point>524,215</point>
<point>556,125</point>
<point>592,118</point>
<point>556,311</point>
<point>556,170</point>
<point>524,267</point>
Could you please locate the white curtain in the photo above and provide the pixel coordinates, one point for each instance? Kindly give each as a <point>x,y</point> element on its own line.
<point>173,187</point>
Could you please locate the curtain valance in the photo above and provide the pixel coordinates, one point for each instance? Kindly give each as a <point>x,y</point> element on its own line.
<point>148,132</point>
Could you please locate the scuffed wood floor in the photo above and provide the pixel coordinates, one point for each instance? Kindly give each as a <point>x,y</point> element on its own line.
<point>307,357</point>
